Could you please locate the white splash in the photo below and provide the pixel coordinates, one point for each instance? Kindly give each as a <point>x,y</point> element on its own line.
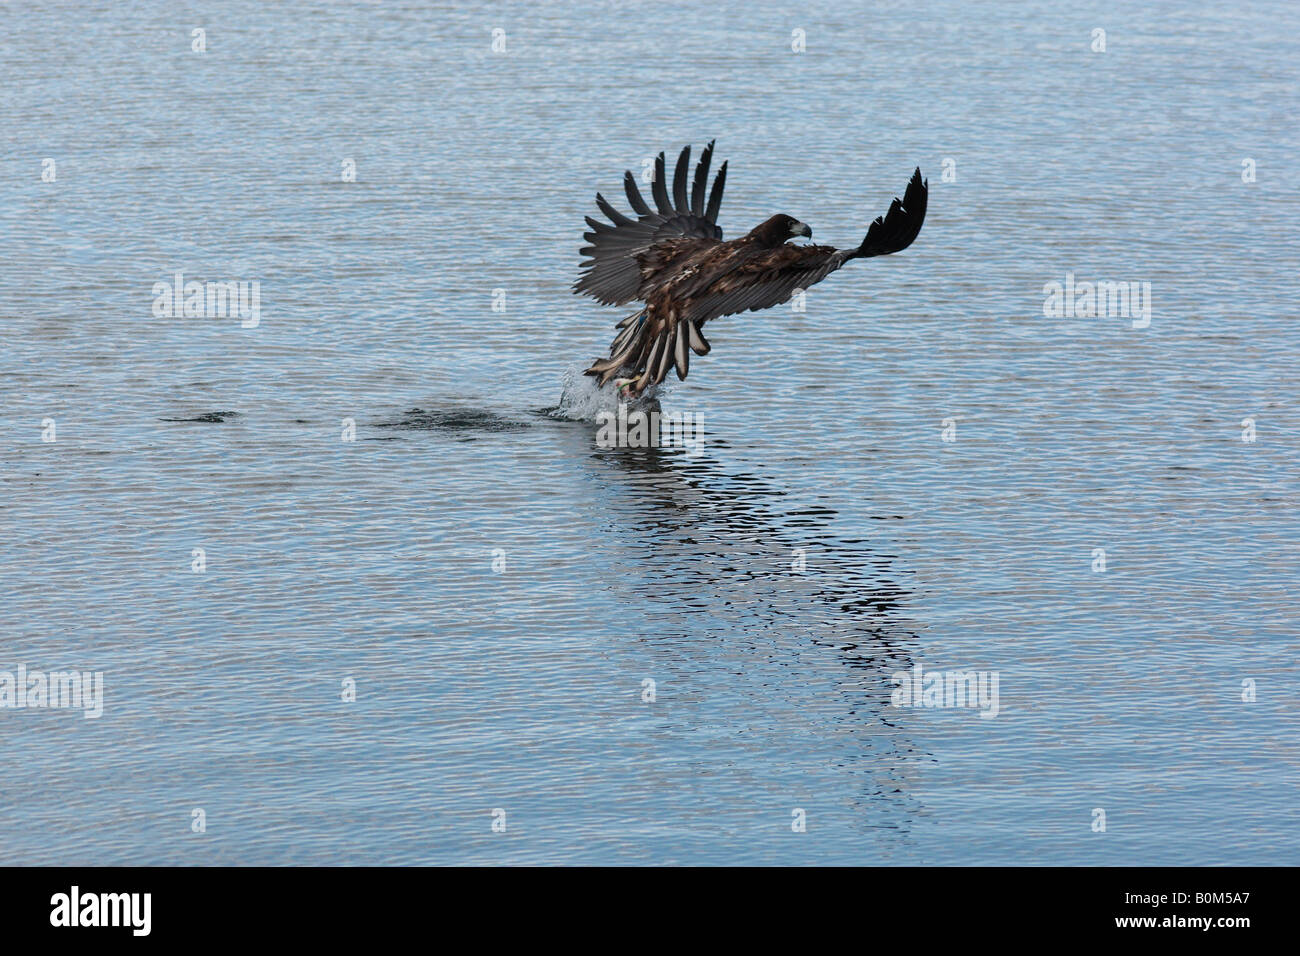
<point>582,399</point>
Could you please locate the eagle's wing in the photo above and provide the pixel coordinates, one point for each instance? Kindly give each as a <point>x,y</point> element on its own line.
<point>764,280</point>
<point>770,278</point>
<point>610,271</point>
<point>737,278</point>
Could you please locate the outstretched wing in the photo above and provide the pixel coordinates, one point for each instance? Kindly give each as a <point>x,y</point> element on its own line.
<point>772,277</point>
<point>610,271</point>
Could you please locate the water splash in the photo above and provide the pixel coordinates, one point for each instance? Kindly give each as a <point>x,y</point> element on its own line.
<point>582,400</point>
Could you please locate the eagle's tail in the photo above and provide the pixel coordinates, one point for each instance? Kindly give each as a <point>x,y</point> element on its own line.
<point>625,350</point>
<point>649,357</point>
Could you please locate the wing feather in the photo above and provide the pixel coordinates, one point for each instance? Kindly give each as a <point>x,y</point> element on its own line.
<point>899,227</point>
<point>616,217</point>
<point>715,195</point>
<point>765,280</point>
<point>610,271</point>
<point>634,198</point>
<point>701,180</point>
<point>679,181</point>
<point>659,188</point>
<point>771,277</point>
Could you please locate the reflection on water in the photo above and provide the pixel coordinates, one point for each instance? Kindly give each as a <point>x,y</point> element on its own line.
<point>719,556</point>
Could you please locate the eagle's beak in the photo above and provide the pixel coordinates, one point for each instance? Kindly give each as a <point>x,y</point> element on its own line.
<point>801,229</point>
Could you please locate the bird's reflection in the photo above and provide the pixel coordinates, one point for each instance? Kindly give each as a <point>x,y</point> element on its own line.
<point>727,574</point>
<point>724,555</point>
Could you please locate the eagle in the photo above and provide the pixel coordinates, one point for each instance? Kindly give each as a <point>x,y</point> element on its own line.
<point>673,260</point>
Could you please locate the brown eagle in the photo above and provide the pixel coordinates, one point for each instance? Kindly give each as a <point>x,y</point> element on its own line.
<point>672,258</point>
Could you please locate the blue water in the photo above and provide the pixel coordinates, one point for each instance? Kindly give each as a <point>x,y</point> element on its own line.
<point>521,689</point>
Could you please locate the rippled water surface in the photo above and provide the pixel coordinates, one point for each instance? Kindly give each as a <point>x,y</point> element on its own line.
<point>500,587</point>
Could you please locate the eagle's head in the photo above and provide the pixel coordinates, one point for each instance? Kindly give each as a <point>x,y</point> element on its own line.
<point>780,228</point>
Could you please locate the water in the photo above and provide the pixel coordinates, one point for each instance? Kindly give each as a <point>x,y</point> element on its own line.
<point>522,689</point>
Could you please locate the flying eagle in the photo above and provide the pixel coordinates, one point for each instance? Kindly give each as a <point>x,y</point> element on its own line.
<point>672,259</point>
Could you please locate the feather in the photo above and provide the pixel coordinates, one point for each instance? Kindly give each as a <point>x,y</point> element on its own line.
<point>620,341</point>
<point>634,195</point>
<point>611,364</point>
<point>617,244</point>
<point>701,180</point>
<point>679,181</point>
<point>665,359</point>
<point>660,189</point>
<point>646,375</point>
<point>715,196</point>
<point>616,217</point>
<point>682,358</point>
<point>899,227</point>
<point>627,337</point>
<point>699,344</point>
